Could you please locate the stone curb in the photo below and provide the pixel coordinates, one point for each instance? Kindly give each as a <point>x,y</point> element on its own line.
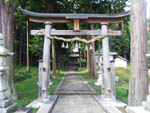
<point>48,106</point>
<point>108,105</point>
<point>136,109</point>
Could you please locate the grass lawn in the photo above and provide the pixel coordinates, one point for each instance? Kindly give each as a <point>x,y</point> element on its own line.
<point>122,85</point>
<point>26,85</point>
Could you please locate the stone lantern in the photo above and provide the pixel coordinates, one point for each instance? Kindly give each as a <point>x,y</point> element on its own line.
<point>112,56</point>
<point>6,100</point>
<point>101,79</point>
<point>1,40</point>
<point>100,76</point>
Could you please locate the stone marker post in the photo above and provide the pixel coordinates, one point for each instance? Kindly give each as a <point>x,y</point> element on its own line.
<point>101,76</point>
<point>112,73</point>
<point>40,78</point>
<point>6,100</point>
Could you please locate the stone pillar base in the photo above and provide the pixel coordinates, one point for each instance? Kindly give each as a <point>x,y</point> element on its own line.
<point>8,109</point>
<point>6,103</point>
<point>136,109</point>
<point>7,106</point>
<point>24,110</point>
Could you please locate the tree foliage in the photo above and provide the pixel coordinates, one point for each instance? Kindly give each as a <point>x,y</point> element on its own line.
<point>36,46</point>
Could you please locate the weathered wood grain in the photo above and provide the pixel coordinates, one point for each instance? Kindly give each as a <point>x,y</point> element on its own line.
<point>76,24</point>
<point>46,62</point>
<point>53,57</point>
<point>106,64</point>
<point>63,20</point>
<point>138,68</point>
<point>76,33</point>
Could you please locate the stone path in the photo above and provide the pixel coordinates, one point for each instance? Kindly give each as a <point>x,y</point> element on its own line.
<point>73,84</point>
<point>77,104</point>
<point>75,96</point>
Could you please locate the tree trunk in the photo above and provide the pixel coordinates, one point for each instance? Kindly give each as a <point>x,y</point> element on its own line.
<point>93,61</point>
<point>6,28</point>
<point>138,72</point>
<point>92,56</point>
<point>48,6</point>
<point>20,49</point>
<point>28,58</point>
<point>53,58</point>
<point>99,48</point>
<point>88,58</point>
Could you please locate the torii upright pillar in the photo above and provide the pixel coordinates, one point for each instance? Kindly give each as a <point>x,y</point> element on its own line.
<point>46,62</point>
<point>107,82</point>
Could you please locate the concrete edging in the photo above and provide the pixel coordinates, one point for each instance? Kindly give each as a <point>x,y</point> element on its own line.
<point>109,106</point>
<point>48,106</point>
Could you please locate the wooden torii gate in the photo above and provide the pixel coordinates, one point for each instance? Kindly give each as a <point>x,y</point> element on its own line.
<point>51,18</point>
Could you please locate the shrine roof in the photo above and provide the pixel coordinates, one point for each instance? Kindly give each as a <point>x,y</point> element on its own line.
<point>75,16</point>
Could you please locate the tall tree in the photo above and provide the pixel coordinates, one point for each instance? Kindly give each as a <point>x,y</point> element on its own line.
<point>28,57</point>
<point>6,28</point>
<point>138,71</point>
<point>88,58</point>
<point>92,56</point>
<point>53,57</point>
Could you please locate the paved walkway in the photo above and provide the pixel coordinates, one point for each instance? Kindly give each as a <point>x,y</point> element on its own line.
<point>73,84</point>
<point>75,96</point>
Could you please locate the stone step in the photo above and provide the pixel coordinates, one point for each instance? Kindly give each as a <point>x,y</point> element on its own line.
<point>109,105</point>
<point>74,93</point>
<point>39,103</point>
<point>25,110</point>
<point>9,109</point>
<point>136,109</point>
<point>48,106</point>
